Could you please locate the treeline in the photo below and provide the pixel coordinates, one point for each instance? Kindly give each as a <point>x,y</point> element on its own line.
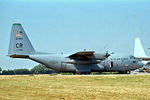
<point>39,69</point>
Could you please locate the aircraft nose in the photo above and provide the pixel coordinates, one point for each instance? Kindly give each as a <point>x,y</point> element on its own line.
<point>140,64</point>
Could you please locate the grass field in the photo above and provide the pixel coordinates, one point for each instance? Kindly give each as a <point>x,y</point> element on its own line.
<point>103,87</point>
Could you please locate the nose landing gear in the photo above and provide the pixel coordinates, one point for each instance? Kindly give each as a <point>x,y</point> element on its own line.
<point>125,72</point>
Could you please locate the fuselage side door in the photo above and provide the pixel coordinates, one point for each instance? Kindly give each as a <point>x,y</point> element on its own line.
<point>111,64</point>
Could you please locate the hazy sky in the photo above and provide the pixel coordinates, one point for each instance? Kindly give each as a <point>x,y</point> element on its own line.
<point>72,25</point>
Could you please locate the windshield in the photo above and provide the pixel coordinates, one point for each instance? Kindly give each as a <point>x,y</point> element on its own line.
<point>132,57</point>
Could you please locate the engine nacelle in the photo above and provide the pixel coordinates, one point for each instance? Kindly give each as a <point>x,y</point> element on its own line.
<point>83,62</point>
<point>101,56</point>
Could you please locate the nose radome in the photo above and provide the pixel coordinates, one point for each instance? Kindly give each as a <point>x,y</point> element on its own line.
<point>140,64</point>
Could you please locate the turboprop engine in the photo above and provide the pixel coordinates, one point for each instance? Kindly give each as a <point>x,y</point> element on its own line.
<point>88,59</point>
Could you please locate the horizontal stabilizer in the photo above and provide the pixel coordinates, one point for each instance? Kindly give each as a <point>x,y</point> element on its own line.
<point>19,56</point>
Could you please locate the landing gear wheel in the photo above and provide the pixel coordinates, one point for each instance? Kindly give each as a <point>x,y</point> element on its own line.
<point>128,72</point>
<point>124,72</point>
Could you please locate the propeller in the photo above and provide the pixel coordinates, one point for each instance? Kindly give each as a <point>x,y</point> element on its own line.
<point>107,54</point>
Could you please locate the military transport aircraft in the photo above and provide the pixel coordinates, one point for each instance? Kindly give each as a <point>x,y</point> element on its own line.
<point>82,62</point>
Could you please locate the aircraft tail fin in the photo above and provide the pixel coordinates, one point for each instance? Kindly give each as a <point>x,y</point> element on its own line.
<point>19,46</point>
<point>138,49</point>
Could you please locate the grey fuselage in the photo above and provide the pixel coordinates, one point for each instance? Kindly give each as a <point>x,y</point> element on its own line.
<point>80,62</point>
<point>114,63</point>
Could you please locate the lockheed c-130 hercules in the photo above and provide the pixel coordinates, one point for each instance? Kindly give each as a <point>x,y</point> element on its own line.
<point>82,62</point>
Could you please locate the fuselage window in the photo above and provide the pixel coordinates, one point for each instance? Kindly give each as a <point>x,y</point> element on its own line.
<point>118,58</point>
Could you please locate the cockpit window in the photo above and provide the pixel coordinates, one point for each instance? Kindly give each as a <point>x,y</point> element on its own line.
<point>134,61</point>
<point>132,57</point>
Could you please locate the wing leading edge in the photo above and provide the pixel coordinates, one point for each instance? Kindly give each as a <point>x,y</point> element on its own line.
<point>87,57</point>
<point>82,55</point>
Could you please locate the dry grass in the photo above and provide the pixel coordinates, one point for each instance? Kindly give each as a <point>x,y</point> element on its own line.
<point>46,87</point>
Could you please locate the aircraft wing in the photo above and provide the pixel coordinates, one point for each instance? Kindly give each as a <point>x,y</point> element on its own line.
<point>86,57</point>
<point>82,55</point>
